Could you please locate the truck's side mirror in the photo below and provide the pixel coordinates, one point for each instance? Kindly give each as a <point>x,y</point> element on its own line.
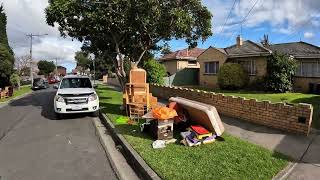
<point>55,86</point>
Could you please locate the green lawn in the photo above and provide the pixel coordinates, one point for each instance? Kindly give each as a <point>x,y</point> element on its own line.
<point>292,98</point>
<point>23,90</point>
<point>232,159</point>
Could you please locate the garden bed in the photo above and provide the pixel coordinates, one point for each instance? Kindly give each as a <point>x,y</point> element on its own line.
<point>233,158</point>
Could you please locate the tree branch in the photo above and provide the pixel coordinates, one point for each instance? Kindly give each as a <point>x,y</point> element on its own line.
<point>140,57</point>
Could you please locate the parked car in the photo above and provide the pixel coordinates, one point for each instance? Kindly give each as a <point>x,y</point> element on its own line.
<point>52,80</point>
<point>39,83</point>
<point>75,94</point>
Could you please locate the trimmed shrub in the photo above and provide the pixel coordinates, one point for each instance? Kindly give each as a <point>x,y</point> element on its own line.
<point>155,71</point>
<point>280,70</point>
<point>232,76</point>
<point>15,80</point>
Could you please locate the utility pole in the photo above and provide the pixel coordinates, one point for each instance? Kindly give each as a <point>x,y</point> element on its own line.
<point>56,66</point>
<point>31,39</point>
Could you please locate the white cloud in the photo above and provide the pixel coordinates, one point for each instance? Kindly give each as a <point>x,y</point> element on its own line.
<point>285,14</point>
<point>308,35</point>
<point>27,16</point>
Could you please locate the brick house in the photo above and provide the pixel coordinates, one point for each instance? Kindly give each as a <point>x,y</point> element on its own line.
<point>181,59</point>
<point>62,71</point>
<point>253,57</point>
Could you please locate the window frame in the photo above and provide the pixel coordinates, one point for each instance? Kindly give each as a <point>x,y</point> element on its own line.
<point>303,68</point>
<point>252,66</point>
<point>192,64</point>
<point>215,67</point>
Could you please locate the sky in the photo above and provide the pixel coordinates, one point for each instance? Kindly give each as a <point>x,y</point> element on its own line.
<point>282,20</point>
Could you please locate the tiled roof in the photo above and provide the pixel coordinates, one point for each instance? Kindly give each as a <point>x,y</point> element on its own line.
<point>183,54</point>
<point>247,48</point>
<point>297,49</point>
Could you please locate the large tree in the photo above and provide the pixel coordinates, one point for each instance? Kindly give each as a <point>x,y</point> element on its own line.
<point>6,53</point>
<point>46,67</point>
<point>127,29</point>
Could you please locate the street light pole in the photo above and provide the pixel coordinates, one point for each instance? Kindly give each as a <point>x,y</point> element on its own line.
<point>31,63</point>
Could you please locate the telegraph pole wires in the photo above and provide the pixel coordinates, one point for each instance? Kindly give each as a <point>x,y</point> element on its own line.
<point>31,63</point>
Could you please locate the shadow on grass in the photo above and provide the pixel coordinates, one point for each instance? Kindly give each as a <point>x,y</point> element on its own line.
<point>109,108</point>
<point>132,130</point>
<point>315,101</point>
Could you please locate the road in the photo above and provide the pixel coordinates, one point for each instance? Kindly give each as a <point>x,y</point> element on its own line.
<point>34,145</point>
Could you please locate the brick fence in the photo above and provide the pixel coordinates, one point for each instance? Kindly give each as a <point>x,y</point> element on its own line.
<point>292,118</point>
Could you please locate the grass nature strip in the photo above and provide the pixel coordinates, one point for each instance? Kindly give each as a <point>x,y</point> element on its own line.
<point>23,90</point>
<point>232,159</point>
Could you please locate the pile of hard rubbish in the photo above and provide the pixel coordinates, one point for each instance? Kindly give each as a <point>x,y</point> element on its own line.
<point>198,123</point>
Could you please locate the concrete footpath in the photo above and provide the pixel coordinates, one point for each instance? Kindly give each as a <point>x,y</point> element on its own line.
<point>304,150</point>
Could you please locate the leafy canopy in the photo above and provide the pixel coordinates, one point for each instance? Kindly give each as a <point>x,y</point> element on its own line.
<point>129,28</point>
<point>83,59</point>
<point>46,67</point>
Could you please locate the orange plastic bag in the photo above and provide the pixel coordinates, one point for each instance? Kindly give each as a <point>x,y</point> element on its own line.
<point>163,113</point>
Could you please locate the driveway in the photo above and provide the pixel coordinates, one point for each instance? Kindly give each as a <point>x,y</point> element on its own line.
<point>36,146</point>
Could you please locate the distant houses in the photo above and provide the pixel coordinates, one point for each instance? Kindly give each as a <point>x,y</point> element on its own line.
<point>61,71</point>
<point>252,56</point>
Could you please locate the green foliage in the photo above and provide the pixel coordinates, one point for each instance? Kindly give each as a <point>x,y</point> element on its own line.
<point>83,60</point>
<point>155,71</point>
<point>280,69</point>
<point>232,76</point>
<point>15,80</point>
<point>166,49</point>
<point>6,53</point>
<point>103,66</point>
<point>129,28</point>
<point>46,67</point>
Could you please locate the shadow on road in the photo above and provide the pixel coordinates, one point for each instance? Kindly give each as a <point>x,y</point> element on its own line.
<point>43,99</point>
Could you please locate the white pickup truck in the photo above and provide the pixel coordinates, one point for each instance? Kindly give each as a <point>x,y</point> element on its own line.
<point>75,94</point>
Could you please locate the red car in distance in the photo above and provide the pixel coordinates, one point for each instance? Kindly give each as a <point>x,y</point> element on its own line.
<point>52,80</point>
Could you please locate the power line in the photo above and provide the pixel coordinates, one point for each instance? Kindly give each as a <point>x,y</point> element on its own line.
<point>245,18</point>
<point>233,5</point>
<point>287,38</point>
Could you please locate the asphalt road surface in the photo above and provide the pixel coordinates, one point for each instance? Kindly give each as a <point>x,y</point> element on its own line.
<point>34,145</point>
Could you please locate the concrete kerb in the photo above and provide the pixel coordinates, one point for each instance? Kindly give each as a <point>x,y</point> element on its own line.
<point>117,161</point>
<point>283,174</point>
<point>133,158</point>
<point>3,104</point>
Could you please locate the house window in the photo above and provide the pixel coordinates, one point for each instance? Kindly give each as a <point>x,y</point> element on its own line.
<point>249,66</point>
<point>192,63</point>
<point>211,67</point>
<point>308,69</point>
